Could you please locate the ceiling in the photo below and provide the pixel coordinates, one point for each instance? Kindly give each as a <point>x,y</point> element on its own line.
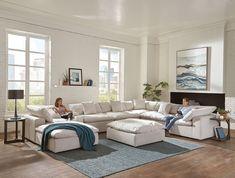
<point>134,17</point>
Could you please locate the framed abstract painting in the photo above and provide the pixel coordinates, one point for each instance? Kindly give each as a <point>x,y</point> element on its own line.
<point>75,77</point>
<point>192,69</point>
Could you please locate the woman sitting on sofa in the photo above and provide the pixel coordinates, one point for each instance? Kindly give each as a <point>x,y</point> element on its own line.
<point>62,110</point>
<point>182,111</point>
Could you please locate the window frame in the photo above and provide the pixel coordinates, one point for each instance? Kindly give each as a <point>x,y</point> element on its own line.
<point>27,66</point>
<point>119,92</point>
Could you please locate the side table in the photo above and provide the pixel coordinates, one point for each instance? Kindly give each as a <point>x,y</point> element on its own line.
<point>11,120</point>
<point>228,123</point>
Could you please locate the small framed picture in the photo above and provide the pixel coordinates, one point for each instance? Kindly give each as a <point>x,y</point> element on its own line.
<point>75,77</point>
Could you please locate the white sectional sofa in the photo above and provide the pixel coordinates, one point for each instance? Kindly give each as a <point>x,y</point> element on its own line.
<point>196,124</point>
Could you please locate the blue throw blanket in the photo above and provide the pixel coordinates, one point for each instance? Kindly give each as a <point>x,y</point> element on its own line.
<point>85,134</point>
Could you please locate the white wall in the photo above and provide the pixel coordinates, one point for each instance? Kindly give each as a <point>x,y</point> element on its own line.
<point>72,49</point>
<point>212,37</point>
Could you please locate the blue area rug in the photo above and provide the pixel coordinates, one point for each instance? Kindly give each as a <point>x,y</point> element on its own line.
<point>111,157</point>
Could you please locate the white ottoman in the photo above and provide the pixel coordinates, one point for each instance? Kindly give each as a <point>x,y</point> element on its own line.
<point>62,139</point>
<point>135,132</point>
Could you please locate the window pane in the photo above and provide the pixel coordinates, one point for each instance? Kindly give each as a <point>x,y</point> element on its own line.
<point>103,66</point>
<point>16,42</point>
<point>16,57</point>
<point>36,100</point>
<point>16,86</point>
<point>103,89</point>
<point>37,74</point>
<point>37,59</point>
<point>114,77</point>
<point>115,55</point>
<point>37,45</point>
<point>16,73</point>
<point>103,98</point>
<point>36,88</point>
<point>20,105</point>
<point>104,54</point>
<point>114,88</point>
<point>114,67</point>
<point>103,77</point>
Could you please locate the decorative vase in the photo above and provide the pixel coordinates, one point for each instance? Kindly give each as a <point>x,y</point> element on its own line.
<point>65,82</point>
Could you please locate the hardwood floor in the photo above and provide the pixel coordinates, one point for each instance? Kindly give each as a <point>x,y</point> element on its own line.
<point>215,159</point>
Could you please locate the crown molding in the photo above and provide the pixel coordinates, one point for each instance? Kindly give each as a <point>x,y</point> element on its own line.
<point>20,14</point>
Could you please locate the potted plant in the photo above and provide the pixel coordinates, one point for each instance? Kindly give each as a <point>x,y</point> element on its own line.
<point>224,113</point>
<point>153,93</point>
<point>66,79</point>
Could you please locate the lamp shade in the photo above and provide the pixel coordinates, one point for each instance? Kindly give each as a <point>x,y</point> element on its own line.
<point>15,94</point>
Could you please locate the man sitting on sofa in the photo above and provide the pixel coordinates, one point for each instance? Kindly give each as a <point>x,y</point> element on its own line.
<point>182,111</point>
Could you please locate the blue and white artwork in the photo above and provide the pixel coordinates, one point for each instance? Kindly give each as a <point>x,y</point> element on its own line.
<point>191,69</point>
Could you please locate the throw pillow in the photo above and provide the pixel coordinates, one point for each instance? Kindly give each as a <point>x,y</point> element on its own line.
<point>116,106</point>
<point>89,108</point>
<point>37,110</point>
<point>174,108</point>
<point>164,108</point>
<point>139,104</point>
<point>105,106</point>
<point>50,114</point>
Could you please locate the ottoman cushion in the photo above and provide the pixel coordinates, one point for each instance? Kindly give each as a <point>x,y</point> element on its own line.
<point>133,125</point>
<point>63,133</point>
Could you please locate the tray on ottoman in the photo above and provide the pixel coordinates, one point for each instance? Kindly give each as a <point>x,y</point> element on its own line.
<point>135,132</point>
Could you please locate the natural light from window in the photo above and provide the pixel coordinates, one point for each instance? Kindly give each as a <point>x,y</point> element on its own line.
<point>27,61</point>
<point>109,73</point>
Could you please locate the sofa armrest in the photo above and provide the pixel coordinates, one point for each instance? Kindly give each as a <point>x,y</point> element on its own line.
<point>204,126</point>
<point>31,123</point>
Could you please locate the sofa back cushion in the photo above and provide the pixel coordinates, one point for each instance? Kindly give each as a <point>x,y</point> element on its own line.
<point>206,110</point>
<point>174,108</point>
<point>127,105</point>
<point>89,108</point>
<point>117,106</point>
<point>77,109</point>
<point>164,108</point>
<point>152,105</point>
<point>98,108</point>
<point>139,104</point>
<point>105,106</point>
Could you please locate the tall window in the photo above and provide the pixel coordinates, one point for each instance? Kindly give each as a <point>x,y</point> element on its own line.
<point>27,61</point>
<point>109,73</point>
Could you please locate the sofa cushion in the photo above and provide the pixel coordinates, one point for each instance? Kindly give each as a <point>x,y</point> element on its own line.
<point>139,104</point>
<point>127,105</point>
<point>206,110</point>
<point>119,115</point>
<point>64,133</point>
<point>136,113</point>
<point>105,106</point>
<point>152,105</point>
<point>174,108</point>
<point>133,125</point>
<point>164,108</point>
<point>99,117</point>
<point>77,109</point>
<point>116,106</point>
<point>153,115</point>
<point>50,114</point>
<point>37,110</point>
<point>98,108</point>
<point>89,108</point>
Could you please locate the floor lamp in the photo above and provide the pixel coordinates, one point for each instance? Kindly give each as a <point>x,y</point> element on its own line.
<point>15,94</point>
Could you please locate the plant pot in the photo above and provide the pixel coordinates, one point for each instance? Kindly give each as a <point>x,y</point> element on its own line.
<point>65,83</point>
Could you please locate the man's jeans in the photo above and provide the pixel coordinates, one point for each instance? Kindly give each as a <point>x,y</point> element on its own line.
<point>170,120</point>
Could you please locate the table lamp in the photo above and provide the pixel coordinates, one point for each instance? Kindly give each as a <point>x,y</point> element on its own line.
<point>15,94</point>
